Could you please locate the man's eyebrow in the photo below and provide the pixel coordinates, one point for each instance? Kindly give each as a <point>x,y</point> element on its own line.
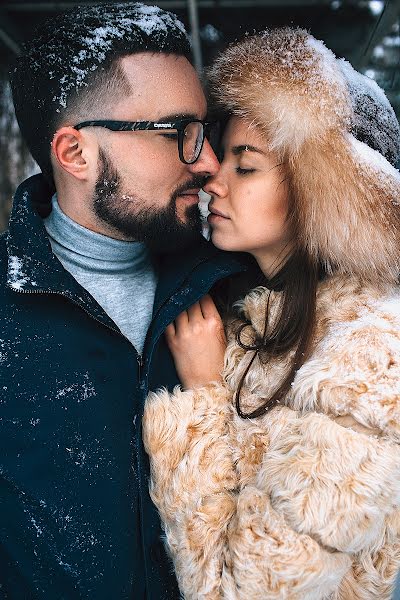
<point>237,150</point>
<point>178,117</point>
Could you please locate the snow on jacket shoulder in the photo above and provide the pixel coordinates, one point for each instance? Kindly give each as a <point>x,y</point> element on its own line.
<point>302,503</point>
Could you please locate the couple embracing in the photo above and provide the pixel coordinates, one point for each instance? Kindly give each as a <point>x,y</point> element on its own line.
<point>274,464</point>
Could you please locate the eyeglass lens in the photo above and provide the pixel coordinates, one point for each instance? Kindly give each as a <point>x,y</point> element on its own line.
<point>193,136</point>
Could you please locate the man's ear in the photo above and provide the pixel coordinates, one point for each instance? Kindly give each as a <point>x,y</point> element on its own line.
<point>70,152</point>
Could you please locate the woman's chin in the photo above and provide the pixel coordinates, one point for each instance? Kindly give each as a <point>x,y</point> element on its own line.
<point>223,243</point>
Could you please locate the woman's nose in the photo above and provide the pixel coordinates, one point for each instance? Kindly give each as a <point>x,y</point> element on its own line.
<point>215,185</point>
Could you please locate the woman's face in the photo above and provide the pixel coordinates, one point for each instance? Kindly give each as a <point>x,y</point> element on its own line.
<point>249,204</point>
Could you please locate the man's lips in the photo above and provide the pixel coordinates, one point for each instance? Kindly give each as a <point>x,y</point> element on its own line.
<point>194,193</point>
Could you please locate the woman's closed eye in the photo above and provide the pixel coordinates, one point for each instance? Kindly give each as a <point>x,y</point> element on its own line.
<point>243,171</point>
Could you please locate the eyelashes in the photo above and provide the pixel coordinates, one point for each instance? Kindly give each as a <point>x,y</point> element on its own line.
<point>241,171</point>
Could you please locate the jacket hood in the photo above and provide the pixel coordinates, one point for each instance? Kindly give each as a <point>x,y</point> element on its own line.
<point>339,137</point>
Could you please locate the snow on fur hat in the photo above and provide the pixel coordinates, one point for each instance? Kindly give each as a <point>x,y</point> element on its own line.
<point>339,137</point>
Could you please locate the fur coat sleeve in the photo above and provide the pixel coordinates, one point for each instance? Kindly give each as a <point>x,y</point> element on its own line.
<point>226,539</point>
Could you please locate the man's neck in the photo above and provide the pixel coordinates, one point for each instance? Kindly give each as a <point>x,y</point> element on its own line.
<point>72,241</point>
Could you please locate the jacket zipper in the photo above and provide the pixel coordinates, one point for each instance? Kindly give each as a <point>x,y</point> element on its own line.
<point>139,357</point>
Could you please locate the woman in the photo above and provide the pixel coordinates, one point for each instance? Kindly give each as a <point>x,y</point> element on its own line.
<point>282,479</point>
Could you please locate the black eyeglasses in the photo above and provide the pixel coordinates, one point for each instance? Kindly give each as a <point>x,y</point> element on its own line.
<point>190,133</point>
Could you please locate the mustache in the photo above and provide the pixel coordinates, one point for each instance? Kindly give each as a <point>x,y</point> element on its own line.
<point>195,182</point>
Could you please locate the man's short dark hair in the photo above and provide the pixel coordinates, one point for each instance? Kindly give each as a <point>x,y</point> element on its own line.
<point>72,65</point>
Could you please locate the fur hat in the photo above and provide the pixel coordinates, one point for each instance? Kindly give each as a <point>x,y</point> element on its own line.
<point>339,137</point>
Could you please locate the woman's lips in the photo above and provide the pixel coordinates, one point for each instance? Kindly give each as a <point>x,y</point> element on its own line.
<point>216,215</point>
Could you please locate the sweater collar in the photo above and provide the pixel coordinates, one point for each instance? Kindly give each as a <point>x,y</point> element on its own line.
<point>92,251</point>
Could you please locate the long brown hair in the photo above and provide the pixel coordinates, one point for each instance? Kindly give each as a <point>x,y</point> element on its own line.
<point>297,280</point>
<point>293,327</point>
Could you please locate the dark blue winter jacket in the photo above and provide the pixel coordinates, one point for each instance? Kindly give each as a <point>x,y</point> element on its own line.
<point>76,519</point>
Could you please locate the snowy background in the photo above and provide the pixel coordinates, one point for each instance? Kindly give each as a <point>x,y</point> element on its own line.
<point>366,32</point>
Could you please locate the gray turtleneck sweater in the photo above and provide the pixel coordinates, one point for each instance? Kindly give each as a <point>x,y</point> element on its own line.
<point>118,274</point>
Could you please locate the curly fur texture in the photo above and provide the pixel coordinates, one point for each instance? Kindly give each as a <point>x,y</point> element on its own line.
<point>304,502</point>
<point>271,79</point>
<point>193,482</point>
<point>289,86</point>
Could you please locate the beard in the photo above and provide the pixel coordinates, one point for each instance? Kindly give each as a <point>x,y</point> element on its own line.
<point>159,228</point>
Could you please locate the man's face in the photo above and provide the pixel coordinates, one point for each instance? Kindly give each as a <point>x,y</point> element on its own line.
<point>143,191</point>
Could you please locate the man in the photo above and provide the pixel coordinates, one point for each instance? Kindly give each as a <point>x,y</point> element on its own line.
<point>86,293</point>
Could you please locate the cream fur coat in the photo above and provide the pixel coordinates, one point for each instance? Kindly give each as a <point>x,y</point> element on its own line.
<point>302,503</point>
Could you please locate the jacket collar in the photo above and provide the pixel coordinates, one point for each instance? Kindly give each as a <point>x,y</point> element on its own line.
<point>32,266</point>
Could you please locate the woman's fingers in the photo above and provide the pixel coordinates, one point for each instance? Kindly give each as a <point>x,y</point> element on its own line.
<point>170,330</point>
<point>212,318</point>
<point>181,322</point>
<point>194,313</point>
<point>197,342</point>
<point>208,308</point>
<point>203,309</point>
<point>192,321</point>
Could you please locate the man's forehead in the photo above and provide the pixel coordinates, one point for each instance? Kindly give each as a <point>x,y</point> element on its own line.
<point>157,68</point>
<point>162,85</point>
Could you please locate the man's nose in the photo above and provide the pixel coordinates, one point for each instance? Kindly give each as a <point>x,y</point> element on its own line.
<point>207,164</point>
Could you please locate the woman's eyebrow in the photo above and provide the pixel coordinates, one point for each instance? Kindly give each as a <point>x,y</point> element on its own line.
<point>237,150</point>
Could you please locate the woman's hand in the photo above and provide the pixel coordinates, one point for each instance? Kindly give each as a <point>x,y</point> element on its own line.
<point>197,342</point>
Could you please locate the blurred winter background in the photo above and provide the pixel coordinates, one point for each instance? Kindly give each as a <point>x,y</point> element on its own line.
<point>366,32</point>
